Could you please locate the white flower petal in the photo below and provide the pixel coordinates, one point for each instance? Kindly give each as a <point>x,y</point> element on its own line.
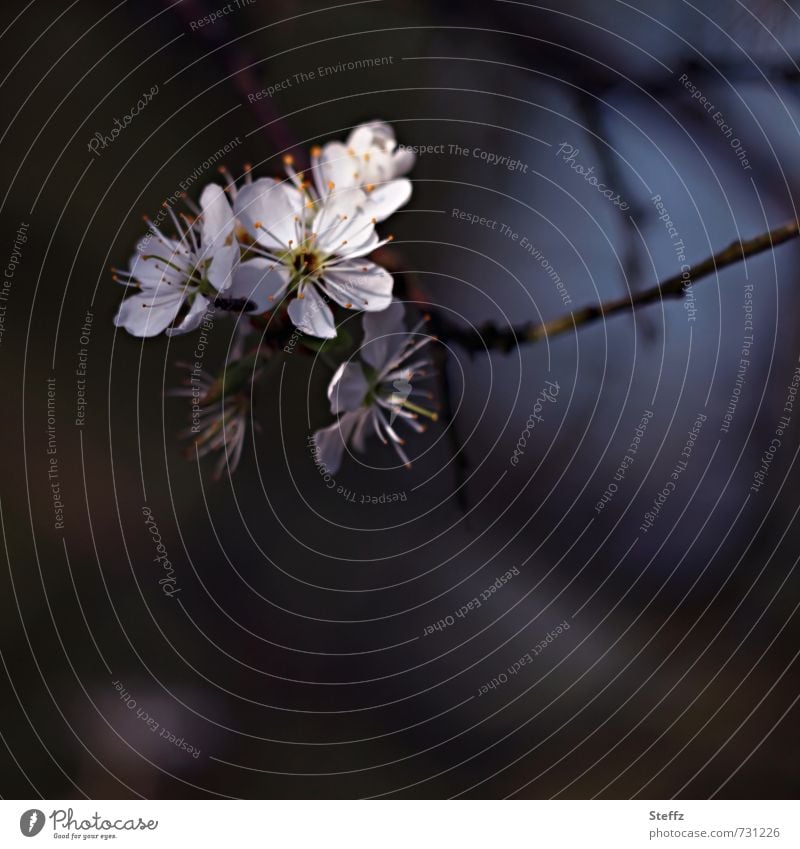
<point>374,136</point>
<point>312,315</point>
<point>191,321</point>
<point>362,138</point>
<point>220,271</point>
<point>272,204</point>
<point>402,161</point>
<point>384,335</point>
<point>347,388</point>
<point>217,221</point>
<point>330,441</point>
<point>148,313</point>
<point>337,166</point>
<point>363,249</point>
<point>372,145</point>
<point>387,198</point>
<point>364,285</point>
<point>151,271</point>
<point>345,227</point>
<point>335,215</point>
<point>357,440</point>
<point>260,281</point>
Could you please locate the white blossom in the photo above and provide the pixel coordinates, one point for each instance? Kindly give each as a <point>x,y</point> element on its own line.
<point>182,275</point>
<point>373,393</point>
<point>305,248</point>
<point>368,160</point>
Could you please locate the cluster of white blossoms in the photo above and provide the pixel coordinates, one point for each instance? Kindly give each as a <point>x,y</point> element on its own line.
<point>297,246</point>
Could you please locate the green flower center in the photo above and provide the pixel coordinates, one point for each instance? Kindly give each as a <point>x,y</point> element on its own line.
<point>305,262</point>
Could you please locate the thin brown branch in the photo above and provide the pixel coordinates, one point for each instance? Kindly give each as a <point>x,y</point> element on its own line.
<point>491,337</point>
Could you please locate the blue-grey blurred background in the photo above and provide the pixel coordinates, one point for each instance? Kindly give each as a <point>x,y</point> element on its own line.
<point>299,657</point>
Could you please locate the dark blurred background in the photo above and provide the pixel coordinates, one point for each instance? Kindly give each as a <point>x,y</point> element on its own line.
<point>297,657</point>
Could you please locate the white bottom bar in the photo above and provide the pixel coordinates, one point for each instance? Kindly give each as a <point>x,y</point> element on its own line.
<point>401,824</point>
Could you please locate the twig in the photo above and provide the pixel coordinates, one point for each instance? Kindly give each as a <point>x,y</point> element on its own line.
<point>591,109</point>
<point>490,336</point>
